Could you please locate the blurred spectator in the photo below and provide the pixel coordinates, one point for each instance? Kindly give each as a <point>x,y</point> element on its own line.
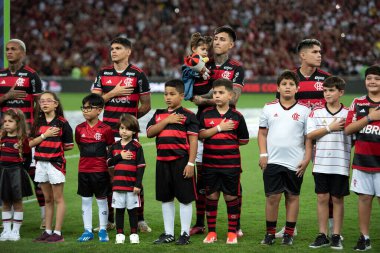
<point>64,34</point>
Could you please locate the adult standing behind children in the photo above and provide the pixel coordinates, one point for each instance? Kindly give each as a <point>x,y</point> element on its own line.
<point>220,66</point>
<point>19,87</point>
<point>125,89</point>
<point>363,120</point>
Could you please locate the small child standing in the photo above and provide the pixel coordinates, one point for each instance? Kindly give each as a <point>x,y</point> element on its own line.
<point>223,130</point>
<point>195,75</point>
<point>52,136</point>
<point>93,137</point>
<point>176,132</point>
<point>15,157</point>
<point>127,157</point>
<point>331,168</point>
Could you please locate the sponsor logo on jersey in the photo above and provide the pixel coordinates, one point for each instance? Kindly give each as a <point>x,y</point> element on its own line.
<point>227,68</point>
<point>108,73</point>
<point>22,74</point>
<point>319,78</point>
<point>120,100</point>
<point>130,74</point>
<point>362,110</point>
<point>3,74</point>
<point>371,129</point>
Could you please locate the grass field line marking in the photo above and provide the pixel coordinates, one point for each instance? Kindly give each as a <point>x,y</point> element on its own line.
<point>29,201</point>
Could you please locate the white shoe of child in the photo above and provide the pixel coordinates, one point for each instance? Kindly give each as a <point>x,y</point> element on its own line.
<point>134,239</point>
<point>4,236</point>
<point>120,238</point>
<point>14,236</point>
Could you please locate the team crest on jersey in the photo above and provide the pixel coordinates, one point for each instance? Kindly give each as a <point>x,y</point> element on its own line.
<point>318,86</point>
<point>98,136</point>
<point>20,82</point>
<point>296,116</point>
<point>128,82</point>
<point>226,75</point>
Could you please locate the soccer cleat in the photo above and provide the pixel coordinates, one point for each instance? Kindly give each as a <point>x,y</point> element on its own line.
<point>336,242</point>
<point>14,236</point>
<point>86,236</point>
<point>43,225</point>
<point>55,238</point>
<point>239,233</point>
<point>197,230</point>
<point>120,239</point>
<point>5,236</point>
<point>103,235</point>
<point>143,227</point>
<point>287,239</point>
<point>211,237</point>
<point>110,226</point>
<point>42,238</point>
<point>134,239</point>
<point>269,239</point>
<point>231,238</point>
<point>280,234</point>
<point>164,238</point>
<point>183,239</point>
<point>363,244</point>
<point>320,241</point>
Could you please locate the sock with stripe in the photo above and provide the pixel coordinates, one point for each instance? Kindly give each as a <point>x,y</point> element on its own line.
<point>7,220</point>
<point>289,228</point>
<point>233,214</point>
<point>211,214</point>
<point>271,227</point>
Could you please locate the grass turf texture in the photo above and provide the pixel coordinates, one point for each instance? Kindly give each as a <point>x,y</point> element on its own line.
<point>253,210</point>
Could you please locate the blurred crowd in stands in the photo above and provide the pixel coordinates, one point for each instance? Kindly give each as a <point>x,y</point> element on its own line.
<point>72,37</point>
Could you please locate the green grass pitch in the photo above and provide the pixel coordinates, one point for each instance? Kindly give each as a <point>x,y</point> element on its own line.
<point>252,219</point>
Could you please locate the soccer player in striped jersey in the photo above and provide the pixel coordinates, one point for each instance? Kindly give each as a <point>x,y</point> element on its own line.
<point>285,153</point>
<point>52,136</point>
<point>93,137</point>
<point>363,121</point>
<point>176,132</point>
<point>331,168</point>
<point>223,129</point>
<point>125,89</point>
<point>127,159</point>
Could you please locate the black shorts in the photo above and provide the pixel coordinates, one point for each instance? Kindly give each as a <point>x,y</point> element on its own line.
<point>279,179</point>
<point>14,183</point>
<point>222,180</point>
<point>170,182</point>
<point>335,184</point>
<point>97,183</point>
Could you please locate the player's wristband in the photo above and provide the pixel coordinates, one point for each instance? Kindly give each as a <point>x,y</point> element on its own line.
<point>190,164</point>
<point>328,129</point>
<point>43,136</point>
<point>219,129</point>
<point>264,155</point>
<point>369,119</point>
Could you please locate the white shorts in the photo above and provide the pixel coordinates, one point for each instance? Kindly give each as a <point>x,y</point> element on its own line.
<point>47,173</point>
<point>198,158</point>
<point>365,182</point>
<point>127,200</point>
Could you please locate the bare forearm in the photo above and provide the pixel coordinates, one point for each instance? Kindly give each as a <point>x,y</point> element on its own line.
<point>208,133</point>
<point>156,129</point>
<point>143,110</point>
<point>317,134</point>
<point>262,141</point>
<point>193,140</point>
<point>236,96</point>
<point>355,127</point>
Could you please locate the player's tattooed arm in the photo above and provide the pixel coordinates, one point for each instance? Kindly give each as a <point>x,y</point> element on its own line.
<point>236,95</point>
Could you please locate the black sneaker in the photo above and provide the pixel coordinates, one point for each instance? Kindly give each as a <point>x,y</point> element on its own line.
<point>269,239</point>
<point>164,238</point>
<point>183,239</point>
<point>320,241</point>
<point>287,239</point>
<point>336,242</point>
<point>363,244</point>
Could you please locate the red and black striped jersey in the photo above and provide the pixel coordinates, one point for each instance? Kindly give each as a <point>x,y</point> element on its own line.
<point>51,149</point>
<point>231,70</point>
<point>9,150</point>
<point>127,173</point>
<point>93,143</point>
<point>25,79</point>
<point>106,81</point>
<point>367,140</point>
<point>221,151</point>
<point>173,143</point>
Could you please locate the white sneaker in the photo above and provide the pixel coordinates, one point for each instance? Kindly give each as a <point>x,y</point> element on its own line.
<point>5,236</point>
<point>134,239</point>
<point>280,233</point>
<point>120,238</point>
<point>14,236</point>
<point>143,227</point>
